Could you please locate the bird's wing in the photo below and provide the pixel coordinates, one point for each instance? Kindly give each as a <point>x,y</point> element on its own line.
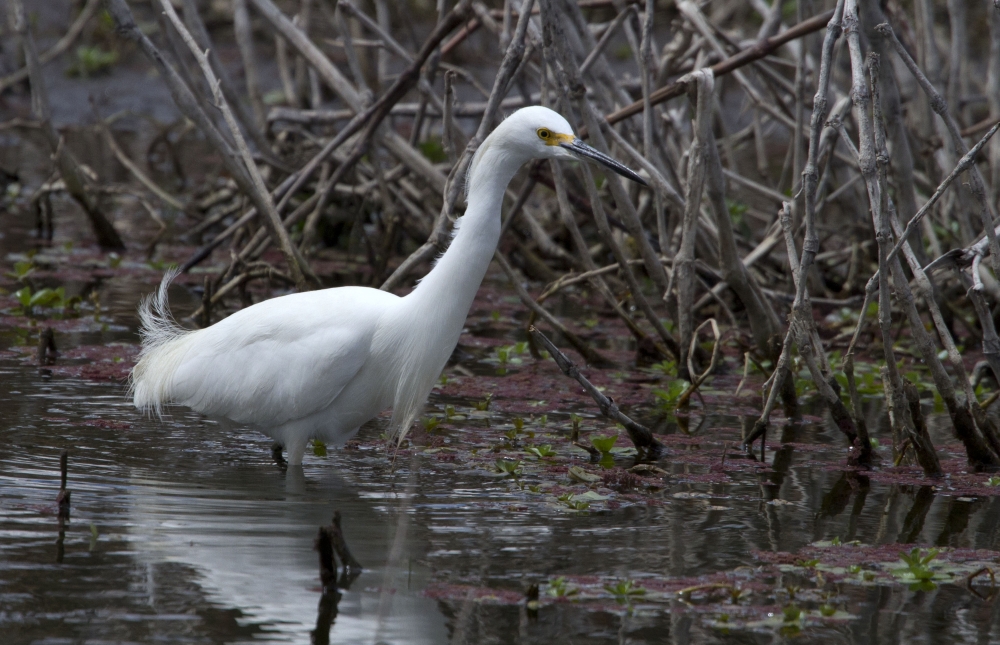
<point>281,359</point>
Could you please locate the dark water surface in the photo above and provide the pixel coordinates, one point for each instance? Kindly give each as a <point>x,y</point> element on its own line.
<point>184,531</point>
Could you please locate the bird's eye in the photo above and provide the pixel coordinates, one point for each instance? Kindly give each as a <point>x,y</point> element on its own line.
<point>543,133</point>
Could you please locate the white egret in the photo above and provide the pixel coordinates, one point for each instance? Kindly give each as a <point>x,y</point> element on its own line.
<point>321,363</point>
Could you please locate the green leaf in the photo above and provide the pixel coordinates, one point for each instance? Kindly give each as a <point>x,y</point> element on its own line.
<point>23,296</point>
<point>46,297</point>
<point>542,451</point>
<point>433,150</point>
<point>603,443</point>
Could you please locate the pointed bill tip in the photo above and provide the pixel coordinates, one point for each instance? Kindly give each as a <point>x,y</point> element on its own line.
<point>582,150</point>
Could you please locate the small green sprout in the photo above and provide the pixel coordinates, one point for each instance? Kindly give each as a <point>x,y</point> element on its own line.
<point>542,451</point>
<point>559,588</point>
<point>917,563</point>
<point>519,424</point>
<point>511,468</point>
<point>569,500</point>
<point>603,443</point>
<point>827,610</point>
<point>91,60</point>
<point>993,481</point>
<point>791,613</point>
<point>22,269</point>
<point>46,297</point>
<point>484,405</point>
<point>668,368</point>
<point>624,591</point>
<point>431,423</point>
<point>319,448</point>
<point>666,400</point>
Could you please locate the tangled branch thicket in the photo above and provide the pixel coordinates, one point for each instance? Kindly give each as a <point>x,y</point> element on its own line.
<point>792,171</point>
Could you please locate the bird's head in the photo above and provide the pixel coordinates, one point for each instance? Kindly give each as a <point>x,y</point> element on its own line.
<point>541,133</point>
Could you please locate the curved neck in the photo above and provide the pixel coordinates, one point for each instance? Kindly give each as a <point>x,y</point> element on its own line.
<point>452,284</point>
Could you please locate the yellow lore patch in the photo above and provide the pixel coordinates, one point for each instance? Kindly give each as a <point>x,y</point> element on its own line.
<point>554,138</point>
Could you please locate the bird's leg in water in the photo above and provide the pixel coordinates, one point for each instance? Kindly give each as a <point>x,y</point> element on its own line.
<point>276,449</point>
<point>296,447</point>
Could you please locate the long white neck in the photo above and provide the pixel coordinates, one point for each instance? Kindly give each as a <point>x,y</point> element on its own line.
<point>452,284</point>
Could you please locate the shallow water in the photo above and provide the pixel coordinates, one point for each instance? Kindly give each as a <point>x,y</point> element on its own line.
<point>184,531</point>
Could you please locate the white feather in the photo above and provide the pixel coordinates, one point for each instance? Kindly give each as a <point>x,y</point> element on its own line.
<point>320,364</point>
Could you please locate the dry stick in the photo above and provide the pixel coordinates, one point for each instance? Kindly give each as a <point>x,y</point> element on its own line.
<point>353,62</point>
<point>626,210</point>
<point>568,219</point>
<point>572,87</point>
<point>137,172</point>
<point>243,31</point>
<point>283,192</point>
<point>758,50</point>
<point>325,188</point>
<point>424,85</point>
<point>589,354</point>
<point>606,38</point>
<point>961,256</point>
<point>69,168</point>
<point>661,187</point>
<point>640,435</point>
<point>579,39</point>
<point>65,495</point>
<point>694,15</point>
<point>371,117</point>
<point>801,309</point>
<point>253,271</point>
<point>966,162</point>
<point>438,238</point>
<point>260,194</point>
<point>993,100</point>
<point>808,341</point>
<point>251,249</point>
<point>764,324</point>
<point>702,83</point>
<point>799,90</point>
<point>940,108</point>
<point>991,342</point>
<point>873,159</point>
<point>571,279</point>
<point>447,132</point>
<point>902,156</point>
<point>899,415</point>
<point>189,106</point>
<point>696,378</point>
<point>252,126</point>
<point>64,43</point>
<point>332,76</point>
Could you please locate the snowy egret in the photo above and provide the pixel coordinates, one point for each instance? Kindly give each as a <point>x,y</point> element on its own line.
<point>320,364</point>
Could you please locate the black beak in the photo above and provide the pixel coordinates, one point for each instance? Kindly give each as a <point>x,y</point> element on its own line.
<point>581,149</point>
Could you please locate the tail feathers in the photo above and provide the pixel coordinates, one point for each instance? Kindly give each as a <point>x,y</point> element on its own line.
<point>163,344</point>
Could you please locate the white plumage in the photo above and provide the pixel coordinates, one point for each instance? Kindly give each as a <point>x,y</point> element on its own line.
<point>319,364</point>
